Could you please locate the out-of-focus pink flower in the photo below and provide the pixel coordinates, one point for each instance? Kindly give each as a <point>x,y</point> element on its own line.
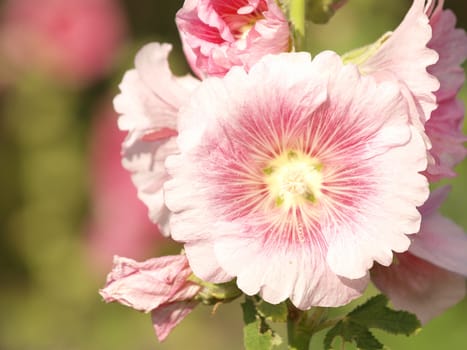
<point>424,54</point>
<point>220,34</point>
<point>148,105</point>
<point>294,178</point>
<point>445,125</point>
<point>119,221</point>
<point>431,276</point>
<point>158,285</point>
<point>75,40</point>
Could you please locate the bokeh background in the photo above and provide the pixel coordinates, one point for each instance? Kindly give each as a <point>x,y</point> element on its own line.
<point>66,206</point>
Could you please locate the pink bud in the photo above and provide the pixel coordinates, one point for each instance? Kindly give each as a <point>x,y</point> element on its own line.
<point>158,285</point>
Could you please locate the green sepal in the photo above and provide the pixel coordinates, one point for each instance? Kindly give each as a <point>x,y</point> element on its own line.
<point>257,335</point>
<point>212,293</point>
<point>362,54</point>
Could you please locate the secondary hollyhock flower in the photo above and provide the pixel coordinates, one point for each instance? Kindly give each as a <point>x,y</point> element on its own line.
<point>75,40</point>
<point>219,34</point>
<point>294,178</point>
<point>119,222</point>
<point>431,276</point>
<point>424,53</point>
<point>158,285</point>
<point>445,125</point>
<point>148,105</point>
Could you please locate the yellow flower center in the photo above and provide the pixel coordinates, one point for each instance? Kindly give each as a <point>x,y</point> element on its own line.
<point>294,178</point>
<point>242,32</point>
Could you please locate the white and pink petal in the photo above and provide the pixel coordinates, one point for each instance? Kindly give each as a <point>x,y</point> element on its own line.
<point>148,104</point>
<point>406,55</point>
<point>167,317</point>
<point>431,276</point>
<point>440,241</point>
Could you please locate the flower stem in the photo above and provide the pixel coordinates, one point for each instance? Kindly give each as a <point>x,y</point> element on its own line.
<point>317,317</point>
<point>298,335</point>
<point>297,17</point>
<point>326,324</point>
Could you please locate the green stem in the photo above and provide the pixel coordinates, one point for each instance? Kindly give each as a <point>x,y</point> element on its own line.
<point>326,324</point>
<point>297,17</point>
<point>298,335</point>
<point>318,316</point>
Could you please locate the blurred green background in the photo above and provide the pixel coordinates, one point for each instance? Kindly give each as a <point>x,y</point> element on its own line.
<point>50,264</point>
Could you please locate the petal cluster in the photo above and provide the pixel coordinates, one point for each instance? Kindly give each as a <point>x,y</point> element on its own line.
<point>218,34</point>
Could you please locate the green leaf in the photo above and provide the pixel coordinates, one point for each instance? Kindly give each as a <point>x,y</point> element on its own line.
<point>212,293</point>
<point>275,313</point>
<point>256,332</point>
<point>372,314</point>
<point>351,331</point>
<point>375,314</point>
<point>362,54</point>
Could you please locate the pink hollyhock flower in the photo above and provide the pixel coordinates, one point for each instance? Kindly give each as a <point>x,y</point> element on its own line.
<point>119,222</point>
<point>74,40</point>
<point>294,178</point>
<point>431,276</point>
<point>445,125</point>
<point>158,285</point>
<point>424,54</point>
<point>220,34</point>
<point>148,105</point>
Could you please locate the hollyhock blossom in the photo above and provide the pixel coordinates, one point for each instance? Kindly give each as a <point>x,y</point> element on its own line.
<point>431,276</point>
<point>294,178</point>
<point>119,223</point>
<point>220,34</point>
<point>148,105</point>
<point>445,125</point>
<point>74,40</point>
<point>424,54</point>
<point>158,285</point>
